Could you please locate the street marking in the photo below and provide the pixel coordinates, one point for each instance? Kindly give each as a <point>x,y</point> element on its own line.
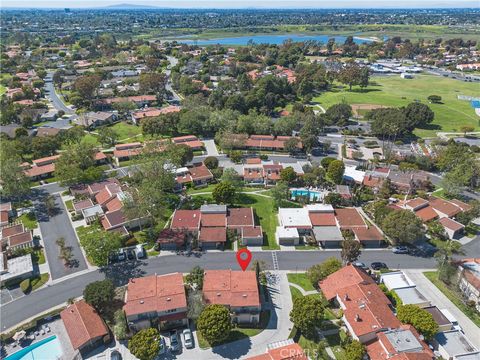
<point>275,260</point>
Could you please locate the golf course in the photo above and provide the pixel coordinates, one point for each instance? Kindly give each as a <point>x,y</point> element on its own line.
<point>393,91</point>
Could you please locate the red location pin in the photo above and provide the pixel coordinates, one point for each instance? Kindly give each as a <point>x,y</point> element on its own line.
<point>243,258</point>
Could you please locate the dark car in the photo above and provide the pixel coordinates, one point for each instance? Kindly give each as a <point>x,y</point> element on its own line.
<point>378,265</point>
<point>131,255</point>
<point>115,355</point>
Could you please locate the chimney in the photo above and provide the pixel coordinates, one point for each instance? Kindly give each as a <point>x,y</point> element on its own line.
<point>357,318</point>
<point>346,298</point>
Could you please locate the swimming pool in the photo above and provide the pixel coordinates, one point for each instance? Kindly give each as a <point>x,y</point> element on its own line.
<point>312,194</point>
<point>46,349</point>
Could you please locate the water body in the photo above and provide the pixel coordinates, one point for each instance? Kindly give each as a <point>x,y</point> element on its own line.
<point>271,39</point>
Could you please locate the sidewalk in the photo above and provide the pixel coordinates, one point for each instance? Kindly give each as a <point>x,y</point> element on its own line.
<point>438,299</point>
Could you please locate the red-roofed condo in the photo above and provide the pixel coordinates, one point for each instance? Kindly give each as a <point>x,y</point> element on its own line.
<point>238,290</point>
<point>156,299</point>
<point>84,326</point>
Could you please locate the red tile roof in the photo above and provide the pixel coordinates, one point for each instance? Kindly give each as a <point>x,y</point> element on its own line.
<point>213,220</point>
<point>451,224</point>
<point>98,186</point>
<point>200,172</point>
<point>251,232</point>
<point>426,214</point>
<point>254,161</point>
<point>347,276</point>
<point>107,193</point>
<point>213,234</point>
<point>113,219</point>
<point>287,352</point>
<point>82,323</point>
<point>169,236</point>
<point>231,288</point>
<point>444,206</point>
<point>370,234</point>
<point>349,218</point>
<point>322,219</point>
<point>186,219</point>
<point>239,217</point>
<point>252,173</point>
<point>20,239</point>
<point>40,170</point>
<point>155,293</point>
<point>463,206</point>
<point>82,204</point>
<point>114,204</point>
<point>3,217</point>
<point>415,203</point>
<point>46,160</point>
<point>12,230</point>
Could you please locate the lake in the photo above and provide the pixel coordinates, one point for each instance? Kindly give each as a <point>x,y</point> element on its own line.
<point>270,39</point>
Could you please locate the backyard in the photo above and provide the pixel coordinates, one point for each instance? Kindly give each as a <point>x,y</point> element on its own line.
<point>450,115</point>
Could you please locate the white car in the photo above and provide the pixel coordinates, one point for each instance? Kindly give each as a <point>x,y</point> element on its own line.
<point>187,338</point>
<point>400,250</point>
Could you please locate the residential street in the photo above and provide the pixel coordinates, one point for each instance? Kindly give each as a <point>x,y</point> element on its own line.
<point>55,227</point>
<point>53,97</point>
<point>437,298</point>
<point>53,295</point>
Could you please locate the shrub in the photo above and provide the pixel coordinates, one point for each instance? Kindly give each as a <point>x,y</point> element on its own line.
<point>26,286</point>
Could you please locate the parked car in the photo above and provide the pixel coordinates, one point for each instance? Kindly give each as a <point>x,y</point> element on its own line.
<point>121,255</point>
<point>400,250</point>
<point>174,341</point>
<point>112,258</point>
<point>139,251</point>
<point>378,265</point>
<point>360,265</point>
<point>187,338</point>
<point>115,355</point>
<point>163,346</point>
<point>130,254</point>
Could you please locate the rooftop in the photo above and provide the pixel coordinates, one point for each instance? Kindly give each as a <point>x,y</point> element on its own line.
<point>411,295</point>
<point>396,280</point>
<point>291,217</point>
<point>454,342</point>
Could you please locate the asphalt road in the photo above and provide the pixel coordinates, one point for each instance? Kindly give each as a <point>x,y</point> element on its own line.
<point>56,294</point>
<point>53,97</point>
<point>55,227</point>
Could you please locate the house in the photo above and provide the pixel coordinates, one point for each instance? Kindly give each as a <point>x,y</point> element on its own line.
<point>469,284</point>
<point>251,236</point>
<point>199,175</point>
<point>16,237</point>
<point>156,299</point>
<point>403,343</point>
<point>92,213</point>
<point>453,345</point>
<point>366,309</point>
<point>349,219</point>
<point>85,328</point>
<point>190,140</point>
<point>352,175</point>
<point>186,220</point>
<point>137,116</point>
<point>212,237</point>
<point>295,218</point>
<point>287,236</point>
<point>139,100</point>
<point>170,239</point>
<point>266,142</point>
<point>238,290</point>
<point>396,280</point>
<point>325,228</point>
<point>444,324</point>
<point>411,296</point>
<point>124,152</point>
<point>4,218</point>
<point>344,191</point>
<point>453,228</point>
<point>92,120</point>
<point>82,204</point>
<point>435,208</point>
<point>16,268</point>
<point>368,237</point>
<point>282,350</point>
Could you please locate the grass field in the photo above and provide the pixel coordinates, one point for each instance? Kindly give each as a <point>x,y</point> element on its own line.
<point>395,91</point>
<point>301,280</point>
<point>29,220</point>
<point>3,90</point>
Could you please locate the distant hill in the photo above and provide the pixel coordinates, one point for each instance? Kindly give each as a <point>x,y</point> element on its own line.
<point>131,6</point>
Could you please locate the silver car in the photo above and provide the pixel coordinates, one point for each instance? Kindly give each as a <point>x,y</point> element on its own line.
<point>187,338</point>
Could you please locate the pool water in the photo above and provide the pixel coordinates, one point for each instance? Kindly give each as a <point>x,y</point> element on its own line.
<point>46,349</point>
<point>313,195</point>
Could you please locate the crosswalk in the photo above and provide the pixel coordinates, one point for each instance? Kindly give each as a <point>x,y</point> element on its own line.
<point>275,260</point>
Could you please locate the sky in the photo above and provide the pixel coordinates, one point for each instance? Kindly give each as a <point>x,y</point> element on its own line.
<point>246,3</point>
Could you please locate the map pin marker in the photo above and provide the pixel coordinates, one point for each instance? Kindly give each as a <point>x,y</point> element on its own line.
<point>243,258</point>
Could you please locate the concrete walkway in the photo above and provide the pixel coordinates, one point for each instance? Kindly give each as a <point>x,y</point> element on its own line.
<point>304,293</point>
<point>438,299</point>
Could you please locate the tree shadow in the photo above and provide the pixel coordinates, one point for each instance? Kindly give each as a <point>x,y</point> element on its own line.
<point>431,127</point>
<point>236,349</point>
<point>121,272</point>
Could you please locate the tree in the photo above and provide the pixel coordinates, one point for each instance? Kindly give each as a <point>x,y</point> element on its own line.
<point>418,115</point>
<point>355,350</point>
<point>335,171</point>
<point>145,344</point>
<point>214,323</point>
<point>120,328</point>
<point>211,162</point>
<point>291,145</point>
<point>224,193</point>
<point>99,294</point>
<point>351,251</point>
<point>77,165</point>
<point>466,129</point>
<point>107,136</point>
<point>124,107</point>
<point>87,86</point>
<point>334,199</point>
<point>325,162</point>
<point>288,175</point>
<point>435,99</point>
<point>279,193</point>
<point>231,176</point>
<point>339,114</point>
<point>419,318</point>
<point>403,226</point>
<point>350,74</point>
<point>50,205</point>
<point>306,314</point>
<point>12,177</point>
<point>179,154</point>
<point>320,271</point>
<point>99,244</point>
<point>153,83</point>
<point>195,278</point>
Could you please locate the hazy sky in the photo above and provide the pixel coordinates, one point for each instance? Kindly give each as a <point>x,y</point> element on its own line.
<point>247,3</point>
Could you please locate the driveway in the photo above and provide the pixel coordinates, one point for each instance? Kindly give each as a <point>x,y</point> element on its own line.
<point>55,227</point>
<point>211,147</point>
<point>437,298</point>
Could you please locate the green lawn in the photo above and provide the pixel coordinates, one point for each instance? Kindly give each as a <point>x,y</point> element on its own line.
<point>301,280</point>
<point>238,332</point>
<point>69,205</point>
<point>454,296</point>
<point>334,342</point>
<point>125,131</point>
<point>29,220</point>
<point>39,281</point>
<point>38,256</point>
<point>395,91</point>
